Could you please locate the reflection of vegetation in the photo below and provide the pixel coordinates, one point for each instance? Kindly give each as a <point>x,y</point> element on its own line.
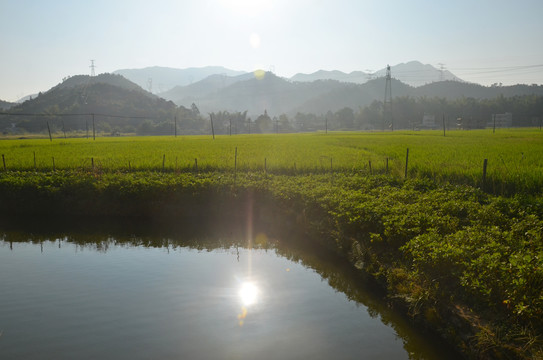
<point>335,269</point>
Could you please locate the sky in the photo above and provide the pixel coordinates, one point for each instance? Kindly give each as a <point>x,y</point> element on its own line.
<point>482,41</point>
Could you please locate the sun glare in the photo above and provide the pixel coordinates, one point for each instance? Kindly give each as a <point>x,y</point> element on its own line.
<point>247,7</point>
<point>254,40</point>
<point>248,293</point>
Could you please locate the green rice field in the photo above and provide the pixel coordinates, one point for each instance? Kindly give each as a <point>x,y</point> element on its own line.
<point>514,156</point>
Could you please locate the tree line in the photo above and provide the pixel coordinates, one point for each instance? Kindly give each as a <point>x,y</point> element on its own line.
<point>168,119</point>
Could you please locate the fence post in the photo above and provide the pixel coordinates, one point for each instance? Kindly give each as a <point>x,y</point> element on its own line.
<point>93,129</point>
<point>163,161</point>
<point>369,162</point>
<point>4,161</point>
<point>49,130</point>
<point>406,162</point>
<point>35,167</point>
<point>485,163</point>
<point>387,167</point>
<point>212,128</point>
<point>235,165</point>
<point>494,121</point>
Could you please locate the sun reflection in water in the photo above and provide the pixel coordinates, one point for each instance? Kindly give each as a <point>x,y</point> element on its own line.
<point>248,293</point>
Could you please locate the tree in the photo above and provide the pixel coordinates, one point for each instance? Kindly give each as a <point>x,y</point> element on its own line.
<point>264,123</point>
<point>345,118</point>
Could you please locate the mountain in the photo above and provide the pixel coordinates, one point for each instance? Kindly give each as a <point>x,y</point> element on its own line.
<point>454,90</point>
<point>357,77</point>
<point>417,74</point>
<point>158,79</point>
<point>412,73</point>
<point>210,85</point>
<point>5,105</point>
<point>278,95</point>
<point>352,96</point>
<point>110,79</point>
<point>105,93</point>
<point>108,94</point>
<point>25,98</point>
<point>254,93</point>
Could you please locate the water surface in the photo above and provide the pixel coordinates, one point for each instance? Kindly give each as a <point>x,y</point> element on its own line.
<point>74,297</point>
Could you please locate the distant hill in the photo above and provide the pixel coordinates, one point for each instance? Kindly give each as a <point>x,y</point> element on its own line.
<point>413,73</point>
<point>105,93</point>
<point>278,95</point>
<point>454,90</point>
<point>82,94</point>
<point>417,74</point>
<point>25,98</point>
<point>352,96</point>
<point>208,86</point>
<point>357,77</point>
<point>110,79</point>
<point>252,94</point>
<point>4,105</point>
<point>163,79</point>
<point>247,92</point>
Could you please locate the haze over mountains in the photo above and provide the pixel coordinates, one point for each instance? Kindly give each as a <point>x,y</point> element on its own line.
<point>214,89</point>
<point>158,79</point>
<point>161,79</point>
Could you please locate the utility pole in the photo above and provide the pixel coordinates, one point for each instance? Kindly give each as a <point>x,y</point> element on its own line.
<point>387,104</point>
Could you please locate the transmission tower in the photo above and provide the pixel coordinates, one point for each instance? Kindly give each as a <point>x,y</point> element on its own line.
<point>387,104</point>
<point>92,66</point>
<point>150,85</point>
<point>441,69</point>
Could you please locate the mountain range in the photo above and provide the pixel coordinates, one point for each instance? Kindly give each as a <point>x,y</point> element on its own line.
<point>159,80</point>
<point>255,93</point>
<point>277,95</point>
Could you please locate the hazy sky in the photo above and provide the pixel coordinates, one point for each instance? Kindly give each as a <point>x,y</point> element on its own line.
<point>484,41</point>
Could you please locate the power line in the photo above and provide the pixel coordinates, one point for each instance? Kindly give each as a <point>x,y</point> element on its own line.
<point>503,68</point>
<point>82,114</point>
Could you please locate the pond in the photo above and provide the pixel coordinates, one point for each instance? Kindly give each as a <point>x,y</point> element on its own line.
<point>96,296</point>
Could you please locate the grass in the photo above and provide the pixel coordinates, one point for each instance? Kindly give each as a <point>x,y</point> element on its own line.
<point>515,156</point>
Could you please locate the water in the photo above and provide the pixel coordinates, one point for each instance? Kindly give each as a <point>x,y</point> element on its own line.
<point>79,297</point>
